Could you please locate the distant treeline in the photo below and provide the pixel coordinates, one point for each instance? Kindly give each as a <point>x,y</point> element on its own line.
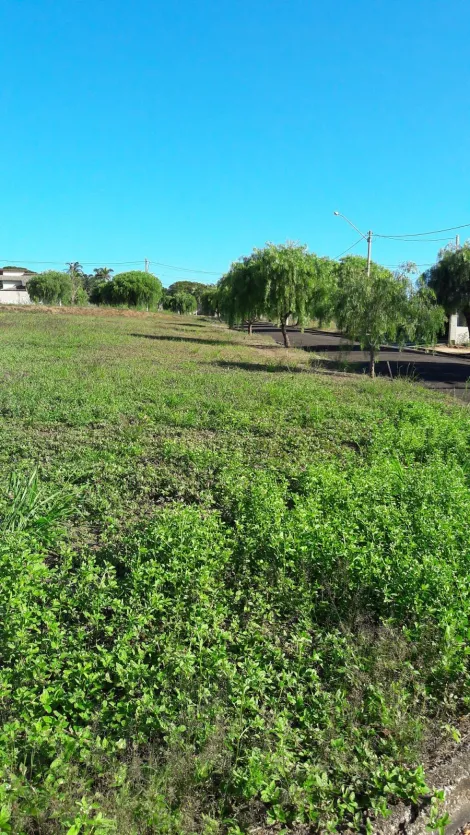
<point>134,288</point>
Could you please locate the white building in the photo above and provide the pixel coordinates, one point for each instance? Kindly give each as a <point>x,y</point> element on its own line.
<point>13,285</point>
<point>458,330</point>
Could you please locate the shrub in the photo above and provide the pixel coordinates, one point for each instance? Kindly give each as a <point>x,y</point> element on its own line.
<point>50,287</point>
<point>182,303</point>
<point>283,649</point>
<point>134,289</point>
<point>101,293</point>
<point>209,302</point>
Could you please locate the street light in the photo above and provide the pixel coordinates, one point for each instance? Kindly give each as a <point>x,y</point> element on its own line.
<point>367,237</point>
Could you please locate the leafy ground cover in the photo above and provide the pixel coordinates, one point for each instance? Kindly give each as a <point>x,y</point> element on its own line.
<point>234,590</point>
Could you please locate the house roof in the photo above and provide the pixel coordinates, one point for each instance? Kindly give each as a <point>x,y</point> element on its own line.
<point>22,270</point>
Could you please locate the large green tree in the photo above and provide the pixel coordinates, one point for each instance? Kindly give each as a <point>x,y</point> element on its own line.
<point>225,299</point>
<point>382,307</point>
<point>450,280</point>
<point>98,275</point>
<point>278,282</point>
<point>297,284</point>
<point>182,303</point>
<point>51,287</point>
<point>209,302</point>
<point>136,288</point>
<point>101,293</point>
<point>196,288</point>
<point>426,318</point>
<point>245,291</point>
<point>166,299</point>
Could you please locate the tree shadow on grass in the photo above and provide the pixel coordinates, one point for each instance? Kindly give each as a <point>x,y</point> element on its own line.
<point>320,348</point>
<point>190,325</point>
<point>267,367</point>
<point>190,339</point>
<point>182,324</point>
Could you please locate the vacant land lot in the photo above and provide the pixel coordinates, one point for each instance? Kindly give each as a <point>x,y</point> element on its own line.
<point>234,591</point>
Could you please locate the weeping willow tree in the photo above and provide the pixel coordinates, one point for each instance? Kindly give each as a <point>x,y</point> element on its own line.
<point>383,307</point>
<point>277,282</point>
<point>242,292</point>
<point>297,283</point>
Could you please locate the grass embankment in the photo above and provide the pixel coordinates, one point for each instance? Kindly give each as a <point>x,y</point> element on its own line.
<point>236,591</point>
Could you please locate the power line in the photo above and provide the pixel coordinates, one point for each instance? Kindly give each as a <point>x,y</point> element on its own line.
<point>175,278</point>
<point>411,241</point>
<point>349,248</point>
<point>186,269</point>
<point>83,263</point>
<point>115,263</point>
<point>421,234</point>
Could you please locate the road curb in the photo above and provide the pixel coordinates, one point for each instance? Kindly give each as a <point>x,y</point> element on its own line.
<point>453,776</point>
<point>444,354</point>
<point>408,349</point>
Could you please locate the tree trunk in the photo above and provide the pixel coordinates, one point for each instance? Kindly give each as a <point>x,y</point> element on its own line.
<point>285,335</point>
<point>250,328</point>
<point>447,331</point>
<point>372,363</point>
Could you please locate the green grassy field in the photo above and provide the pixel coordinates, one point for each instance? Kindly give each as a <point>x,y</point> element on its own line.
<point>234,590</point>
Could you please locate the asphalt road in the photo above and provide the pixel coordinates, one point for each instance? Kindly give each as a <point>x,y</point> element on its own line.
<point>450,374</point>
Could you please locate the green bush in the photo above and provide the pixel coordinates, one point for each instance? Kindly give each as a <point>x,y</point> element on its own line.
<point>81,297</point>
<point>182,303</point>
<point>134,289</point>
<point>287,645</point>
<point>50,287</point>
<point>210,302</point>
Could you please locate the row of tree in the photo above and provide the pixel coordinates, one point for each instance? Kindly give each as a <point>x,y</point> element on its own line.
<point>135,288</point>
<point>286,282</point>
<point>189,297</point>
<point>73,286</point>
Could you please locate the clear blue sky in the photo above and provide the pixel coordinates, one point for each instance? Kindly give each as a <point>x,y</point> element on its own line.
<point>190,131</point>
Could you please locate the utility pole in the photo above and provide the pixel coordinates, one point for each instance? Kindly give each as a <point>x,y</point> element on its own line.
<point>457,241</point>
<point>367,237</point>
<point>369,250</point>
<point>146,265</point>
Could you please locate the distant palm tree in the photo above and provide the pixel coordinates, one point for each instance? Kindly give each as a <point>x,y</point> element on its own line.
<point>74,268</point>
<point>103,273</point>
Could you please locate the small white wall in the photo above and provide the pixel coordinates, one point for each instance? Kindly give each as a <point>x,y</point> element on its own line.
<point>14,297</point>
<point>458,334</point>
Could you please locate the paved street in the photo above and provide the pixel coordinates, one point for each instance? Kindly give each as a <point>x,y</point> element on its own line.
<point>450,374</point>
